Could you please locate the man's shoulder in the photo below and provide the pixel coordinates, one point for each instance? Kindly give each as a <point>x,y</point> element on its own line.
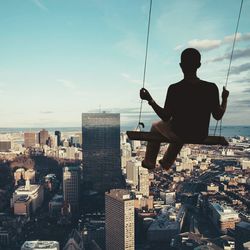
<point>181,85</point>
<point>175,85</point>
<point>208,84</point>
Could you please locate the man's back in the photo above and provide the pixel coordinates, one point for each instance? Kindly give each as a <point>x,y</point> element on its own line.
<point>191,104</point>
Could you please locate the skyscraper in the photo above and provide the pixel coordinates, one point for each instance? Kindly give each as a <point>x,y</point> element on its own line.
<point>29,139</point>
<point>58,134</point>
<point>119,222</point>
<point>101,151</point>
<point>143,178</point>
<point>71,182</point>
<point>43,137</point>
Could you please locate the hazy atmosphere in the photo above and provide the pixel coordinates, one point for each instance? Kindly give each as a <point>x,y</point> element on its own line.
<point>61,58</point>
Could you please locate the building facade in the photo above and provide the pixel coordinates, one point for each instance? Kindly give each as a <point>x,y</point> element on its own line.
<point>43,137</point>
<point>101,151</point>
<point>34,192</point>
<point>5,145</point>
<point>38,244</point>
<point>120,220</point>
<point>29,139</point>
<point>71,183</point>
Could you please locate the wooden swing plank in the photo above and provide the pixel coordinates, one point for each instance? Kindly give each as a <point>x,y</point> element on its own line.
<point>150,136</point>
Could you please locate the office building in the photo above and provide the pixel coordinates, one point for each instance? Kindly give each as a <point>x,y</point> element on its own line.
<point>75,140</point>
<point>40,245</point>
<point>29,139</point>
<point>143,181</point>
<point>43,137</point>
<point>71,182</point>
<point>55,205</point>
<point>132,171</point>
<point>223,217</point>
<point>22,205</point>
<point>168,197</point>
<point>135,144</point>
<point>126,153</point>
<point>34,192</point>
<point>142,202</point>
<point>242,230</point>
<point>101,151</point>
<point>120,224</point>
<point>58,137</point>
<point>5,145</point>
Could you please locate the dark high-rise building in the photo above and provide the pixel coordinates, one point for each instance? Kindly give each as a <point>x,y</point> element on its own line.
<point>58,134</point>
<point>101,151</point>
<point>71,183</point>
<point>242,230</point>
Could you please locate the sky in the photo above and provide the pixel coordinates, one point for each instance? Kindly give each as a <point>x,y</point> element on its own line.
<point>61,58</point>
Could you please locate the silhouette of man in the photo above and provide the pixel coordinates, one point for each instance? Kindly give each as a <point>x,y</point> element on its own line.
<point>186,113</point>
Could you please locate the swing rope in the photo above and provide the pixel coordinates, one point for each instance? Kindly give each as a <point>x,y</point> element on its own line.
<point>145,64</point>
<point>146,57</point>
<point>230,60</point>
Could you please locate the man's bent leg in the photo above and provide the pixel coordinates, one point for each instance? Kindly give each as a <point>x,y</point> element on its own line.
<point>152,151</point>
<point>170,155</point>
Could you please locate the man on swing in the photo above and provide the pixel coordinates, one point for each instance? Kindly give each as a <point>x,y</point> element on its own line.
<point>186,113</point>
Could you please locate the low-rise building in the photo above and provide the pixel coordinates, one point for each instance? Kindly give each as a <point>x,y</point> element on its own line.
<point>34,192</point>
<point>39,245</point>
<point>223,217</point>
<point>22,205</point>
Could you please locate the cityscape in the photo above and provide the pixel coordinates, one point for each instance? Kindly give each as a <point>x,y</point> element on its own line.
<point>86,189</point>
<point>77,78</point>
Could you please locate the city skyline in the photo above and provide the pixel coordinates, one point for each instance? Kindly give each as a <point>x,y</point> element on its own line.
<point>62,58</point>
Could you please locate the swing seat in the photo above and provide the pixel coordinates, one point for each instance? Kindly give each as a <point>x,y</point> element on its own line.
<point>150,136</point>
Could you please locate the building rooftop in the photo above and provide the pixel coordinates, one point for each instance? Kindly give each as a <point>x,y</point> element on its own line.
<point>32,188</point>
<point>161,225</point>
<point>22,198</point>
<point>222,209</point>
<point>119,194</point>
<point>244,224</point>
<point>40,244</point>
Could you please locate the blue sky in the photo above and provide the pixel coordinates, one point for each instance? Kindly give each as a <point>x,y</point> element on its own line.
<point>60,58</point>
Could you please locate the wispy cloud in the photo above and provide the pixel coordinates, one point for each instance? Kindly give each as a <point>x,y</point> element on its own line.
<point>210,44</point>
<point>239,37</point>
<point>238,53</point>
<point>130,79</point>
<point>245,80</point>
<point>178,47</point>
<point>40,5</point>
<point>205,44</point>
<point>241,68</point>
<point>243,103</point>
<point>67,84</point>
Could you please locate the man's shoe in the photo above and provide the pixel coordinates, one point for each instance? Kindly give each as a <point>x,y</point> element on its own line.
<point>164,165</point>
<point>147,165</point>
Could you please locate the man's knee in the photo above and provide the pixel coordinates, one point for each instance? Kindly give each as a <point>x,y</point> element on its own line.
<point>154,127</point>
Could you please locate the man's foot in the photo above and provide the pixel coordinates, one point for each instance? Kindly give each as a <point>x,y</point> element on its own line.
<point>149,166</point>
<point>165,165</point>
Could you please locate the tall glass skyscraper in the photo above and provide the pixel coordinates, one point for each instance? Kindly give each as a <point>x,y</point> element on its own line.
<point>101,151</point>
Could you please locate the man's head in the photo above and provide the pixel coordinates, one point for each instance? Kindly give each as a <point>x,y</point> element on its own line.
<point>190,60</point>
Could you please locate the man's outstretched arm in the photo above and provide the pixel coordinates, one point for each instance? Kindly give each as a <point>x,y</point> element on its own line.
<point>220,110</point>
<point>161,112</point>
